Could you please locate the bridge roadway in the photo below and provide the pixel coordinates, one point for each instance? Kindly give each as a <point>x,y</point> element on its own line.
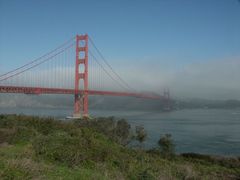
<point>40,90</point>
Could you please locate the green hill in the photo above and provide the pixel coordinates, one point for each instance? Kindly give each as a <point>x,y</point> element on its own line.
<point>44,148</point>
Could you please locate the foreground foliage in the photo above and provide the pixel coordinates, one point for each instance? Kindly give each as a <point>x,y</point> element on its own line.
<point>166,146</point>
<point>44,148</point>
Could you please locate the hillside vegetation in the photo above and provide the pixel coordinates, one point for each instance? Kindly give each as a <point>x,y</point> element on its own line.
<point>44,148</point>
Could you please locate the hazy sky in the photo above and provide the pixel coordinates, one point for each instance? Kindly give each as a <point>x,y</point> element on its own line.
<point>191,46</point>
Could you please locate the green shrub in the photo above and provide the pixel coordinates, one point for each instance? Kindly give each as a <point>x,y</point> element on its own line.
<point>42,125</point>
<point>86,145</point>
<point>7,121</point>
<point>145,175</point>
<point>21,169</point>
<point>22,134</point>
<point>167,148</point>
<point>141,134</point>
<point>77,149</point>
<point>6,134</point>
<point>210,160</point>
<point>122,132</point>
<point>118,131</point>
<point>17,135</point>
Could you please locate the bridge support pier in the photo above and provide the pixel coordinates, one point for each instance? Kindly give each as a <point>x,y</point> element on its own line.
<point>81,75</point>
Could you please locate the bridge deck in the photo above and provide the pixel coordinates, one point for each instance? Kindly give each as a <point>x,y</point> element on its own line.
<point>40,90</point>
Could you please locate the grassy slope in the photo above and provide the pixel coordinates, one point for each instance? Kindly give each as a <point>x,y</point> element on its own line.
<point>31,147</point>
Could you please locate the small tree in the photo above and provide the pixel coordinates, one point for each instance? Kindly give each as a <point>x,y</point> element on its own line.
<point>167,148</point>
<point>141,134</point>
<point>122,132</point>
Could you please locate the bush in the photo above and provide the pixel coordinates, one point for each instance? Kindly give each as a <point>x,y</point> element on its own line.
<point>229,162</point>
<point>22,134</point>
<point>141,134</point>
<point>6,134</point>
<point>167,148</point>
<point>122,132</point>
<point>75,149</point>
<point>42,125</point>
<point>118,131</point>
<point>62,150</point>
<point>16,134</point>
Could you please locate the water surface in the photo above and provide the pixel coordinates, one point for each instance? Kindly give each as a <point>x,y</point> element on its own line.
<point>215,131</point>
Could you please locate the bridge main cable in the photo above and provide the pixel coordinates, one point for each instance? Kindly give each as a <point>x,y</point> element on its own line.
<point>96,60</point>
<point>39,58</point>
<point>35,65</point>
<point>111,68</point>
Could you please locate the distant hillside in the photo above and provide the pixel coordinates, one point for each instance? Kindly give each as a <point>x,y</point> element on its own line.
<point>111,103</point>
<point>204,103</point>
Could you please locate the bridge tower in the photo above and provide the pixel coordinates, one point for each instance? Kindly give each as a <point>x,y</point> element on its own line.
<point>166,95</point>
<point>81,77</point>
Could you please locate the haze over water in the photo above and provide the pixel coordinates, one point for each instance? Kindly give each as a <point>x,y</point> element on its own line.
<point>214,131</point>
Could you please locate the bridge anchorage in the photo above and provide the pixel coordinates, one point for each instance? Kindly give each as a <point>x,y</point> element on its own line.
<point>52,74</point>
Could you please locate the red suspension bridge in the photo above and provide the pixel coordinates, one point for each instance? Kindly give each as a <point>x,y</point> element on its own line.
<point>72,68</point>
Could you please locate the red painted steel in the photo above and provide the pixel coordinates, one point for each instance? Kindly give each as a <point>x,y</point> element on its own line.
<point>76,95</point>
<point>39,90</point>
<point>81,99</point>
<point>80,90</point>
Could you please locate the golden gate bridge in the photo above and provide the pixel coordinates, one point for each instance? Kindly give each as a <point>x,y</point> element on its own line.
<point>75,67</point>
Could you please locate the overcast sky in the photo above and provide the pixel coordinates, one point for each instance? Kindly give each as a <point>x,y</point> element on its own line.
<point>190,46</point>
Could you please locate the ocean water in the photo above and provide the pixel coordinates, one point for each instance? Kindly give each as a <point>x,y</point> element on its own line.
<point>206,131</point>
